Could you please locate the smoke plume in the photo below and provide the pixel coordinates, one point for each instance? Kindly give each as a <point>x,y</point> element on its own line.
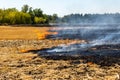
<point>94,35</point>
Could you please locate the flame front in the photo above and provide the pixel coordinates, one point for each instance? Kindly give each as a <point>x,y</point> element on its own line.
<point>42,34</point>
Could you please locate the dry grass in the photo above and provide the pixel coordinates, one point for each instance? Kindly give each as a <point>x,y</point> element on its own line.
<point>24,33</point>
<point>16,65</point>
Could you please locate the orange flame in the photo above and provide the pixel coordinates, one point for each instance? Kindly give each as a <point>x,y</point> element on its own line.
<point>23,51</point>
<point>42,34</point>
<point>90,63</point>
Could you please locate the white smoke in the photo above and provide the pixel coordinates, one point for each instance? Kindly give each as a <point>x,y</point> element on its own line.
<point>105,36</point>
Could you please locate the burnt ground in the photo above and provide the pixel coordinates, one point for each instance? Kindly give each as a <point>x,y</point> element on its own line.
<point>22,60</point>
<point>103,55</point>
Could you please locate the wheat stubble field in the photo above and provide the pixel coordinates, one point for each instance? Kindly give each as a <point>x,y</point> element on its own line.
<point>22,33</point>
<point>18,64</point>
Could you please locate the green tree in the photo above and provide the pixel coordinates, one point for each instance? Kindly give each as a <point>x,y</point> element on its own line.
<point>12,18</point>
<point>53,18</point>
<point>1,15</point>
<point>31,14</point>
<point>27,15</point>
<point>39,20</point>
<point>11,10</point>
<point>46,18</point>
<point>38,12</point>
<point>23,18</point>
<point>25,8</point>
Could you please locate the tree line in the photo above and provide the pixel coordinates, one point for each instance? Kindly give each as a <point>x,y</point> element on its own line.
<point>28,15</point>
<point>107,18</point>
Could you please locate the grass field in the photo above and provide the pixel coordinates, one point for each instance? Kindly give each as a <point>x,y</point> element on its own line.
<point>24,33</point>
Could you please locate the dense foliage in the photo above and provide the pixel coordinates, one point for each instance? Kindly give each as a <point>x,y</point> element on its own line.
<point>27,15</point>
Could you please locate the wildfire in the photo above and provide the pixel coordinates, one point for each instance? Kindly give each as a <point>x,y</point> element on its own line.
<point>23,51</point>
<point>42,34</point>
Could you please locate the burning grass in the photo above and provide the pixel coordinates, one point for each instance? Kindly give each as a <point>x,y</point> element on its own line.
<point>17,62</point>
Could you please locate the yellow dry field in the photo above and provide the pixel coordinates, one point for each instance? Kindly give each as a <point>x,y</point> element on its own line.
<point>23,33</point>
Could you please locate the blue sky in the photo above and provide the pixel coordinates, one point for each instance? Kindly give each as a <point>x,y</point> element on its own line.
<point>63,7</point>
